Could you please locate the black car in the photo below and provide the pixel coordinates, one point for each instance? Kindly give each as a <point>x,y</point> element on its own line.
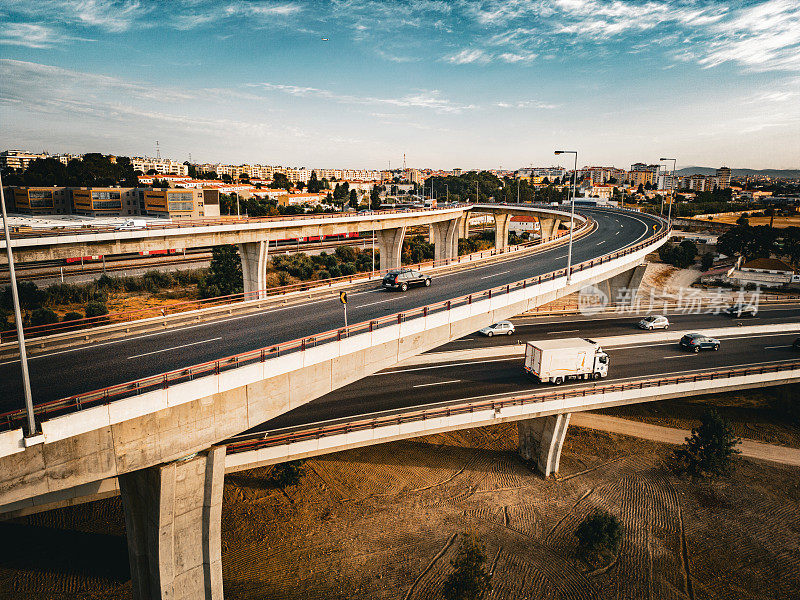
<point>697,341</point>
<point>402,279</point>
<point>741,310</point>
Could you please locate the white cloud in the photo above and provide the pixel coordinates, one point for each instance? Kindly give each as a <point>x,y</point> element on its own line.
<point>30,35</point>
<point>427,99</point>
<point>467,56</point>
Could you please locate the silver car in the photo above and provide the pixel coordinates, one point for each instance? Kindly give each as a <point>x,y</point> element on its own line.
<point>501,328</point>
<point>654,322</point>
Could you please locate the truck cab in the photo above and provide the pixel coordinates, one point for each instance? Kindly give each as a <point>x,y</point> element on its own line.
<point>557,361</point>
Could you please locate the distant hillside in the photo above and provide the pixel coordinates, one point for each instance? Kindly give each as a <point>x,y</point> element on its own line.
<point>783,173</point>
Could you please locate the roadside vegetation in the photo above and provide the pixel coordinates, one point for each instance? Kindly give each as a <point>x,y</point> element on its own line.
<point>711,449</point>
<point>599,536</point>
<point>469,579</point>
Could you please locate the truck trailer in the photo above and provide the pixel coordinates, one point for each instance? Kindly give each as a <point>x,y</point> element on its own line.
<point>560,360</point>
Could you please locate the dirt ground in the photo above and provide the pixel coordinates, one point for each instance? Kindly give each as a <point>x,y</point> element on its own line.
<point>755,414</point>
<point>382,522</point>
<point>779,222</point>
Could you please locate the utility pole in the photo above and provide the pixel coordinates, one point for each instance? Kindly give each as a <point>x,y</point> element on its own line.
<point>23,357</point>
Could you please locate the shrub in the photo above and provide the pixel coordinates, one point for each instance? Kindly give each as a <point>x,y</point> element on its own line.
<point>707,261</point>
<point>598,534</point>
<point>348,268</point>
<point>72,316</point>
<point>224,275</point>
<point>30,296</point>
<point>287,473</point>
<point>346,254</point>
<point>43,316</point>
<point>323,274</point>
<point>96,309</point>
<point>710,450</point>
<point>469,579</point>
<point>157,280</point>
<point>335,271</point>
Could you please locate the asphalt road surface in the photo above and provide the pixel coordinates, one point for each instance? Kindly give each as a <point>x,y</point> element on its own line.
<point>82,369</point>
<point>471,380</point>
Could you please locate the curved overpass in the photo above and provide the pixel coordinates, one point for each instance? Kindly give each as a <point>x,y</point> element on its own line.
<point>105,364</point>
<point>160,435</point>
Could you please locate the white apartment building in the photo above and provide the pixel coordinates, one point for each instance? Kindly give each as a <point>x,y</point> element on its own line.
<point>17,159</point>
<point>550,172</point>
<point>162,166</point>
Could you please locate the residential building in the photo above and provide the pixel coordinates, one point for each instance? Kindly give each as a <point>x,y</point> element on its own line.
<point>724,178</point>
<point>524,223</point>
<point>642,177</point>
<point>175,203</point>
<point>162,166</point>
<point>764,272</point>
<point>39,200</point>
<point>111,201</point>
<point>457,172</point>
<point>17,159</point>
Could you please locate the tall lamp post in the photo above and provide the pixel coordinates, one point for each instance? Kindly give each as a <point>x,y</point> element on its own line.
<point>23,357</point>
<point>571,211</point>
<point>671,189</point>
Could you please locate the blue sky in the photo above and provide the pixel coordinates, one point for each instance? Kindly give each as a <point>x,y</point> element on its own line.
<point>463,84</point>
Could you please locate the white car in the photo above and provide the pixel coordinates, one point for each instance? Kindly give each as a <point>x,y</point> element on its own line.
<point>501,328</point>
<point>654,322</point>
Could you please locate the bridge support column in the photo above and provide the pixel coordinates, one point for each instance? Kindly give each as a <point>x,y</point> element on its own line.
<point>173,517</point>
<point>623,288</point>
<point>501,222</point>
<point>541,439</point>
<point>445,240</point>
<point>548,227</point>
<point>463,226</point>
<point>254,268</point>
<point>390,245</point>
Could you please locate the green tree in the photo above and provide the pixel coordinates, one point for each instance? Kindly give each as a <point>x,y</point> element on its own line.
<point>280,181</point>
<point>314,185</point>
<point>43,316</point>
<point>469,579</point>
<point>710,450</point>
<point>224,274</point>
<point>599,534</point>
<point>375,198</point>
<point>707,261</point>
<point>353,199</point>
<point>95,309</point>
<point>287,473</point>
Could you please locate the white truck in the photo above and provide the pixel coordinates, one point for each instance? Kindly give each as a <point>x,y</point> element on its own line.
<point>571,358</point>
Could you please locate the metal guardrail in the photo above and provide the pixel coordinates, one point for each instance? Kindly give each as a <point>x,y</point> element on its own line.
<point>109,394</point>
<point>275,439</point>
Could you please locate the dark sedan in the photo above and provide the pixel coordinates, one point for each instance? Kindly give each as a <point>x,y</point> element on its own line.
<point>402,279</point>
<point>697,341</point>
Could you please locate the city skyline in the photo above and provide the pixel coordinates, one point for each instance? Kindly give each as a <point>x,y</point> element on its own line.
<point>358,83</point>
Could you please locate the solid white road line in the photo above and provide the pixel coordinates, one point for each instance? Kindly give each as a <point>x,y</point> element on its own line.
<point>437,383</point>
<point>175,348</point>
<point>773,347</point>
<point>565,331</point>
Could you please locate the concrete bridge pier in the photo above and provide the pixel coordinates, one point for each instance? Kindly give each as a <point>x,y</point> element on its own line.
<point>623,288</point>
<point>541,440</point>
<point>501,221</point>
<point>445,239</point>
<point>254,268</point>
<point>463,226</point>
<point>390,246</point>
<point>548,227</point>
<point>173,518</point>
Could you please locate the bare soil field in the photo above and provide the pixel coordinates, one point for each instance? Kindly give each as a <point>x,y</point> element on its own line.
<point>383,522</point>
<point>758,414</point>
<point>779,222</point>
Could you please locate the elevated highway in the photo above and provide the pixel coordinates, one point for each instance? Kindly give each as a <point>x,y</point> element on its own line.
<point>154,432</point>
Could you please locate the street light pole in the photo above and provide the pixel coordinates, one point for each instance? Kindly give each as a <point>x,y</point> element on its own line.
<point>23,357</point>
<point>571,212</point>
<point>671,189</point>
